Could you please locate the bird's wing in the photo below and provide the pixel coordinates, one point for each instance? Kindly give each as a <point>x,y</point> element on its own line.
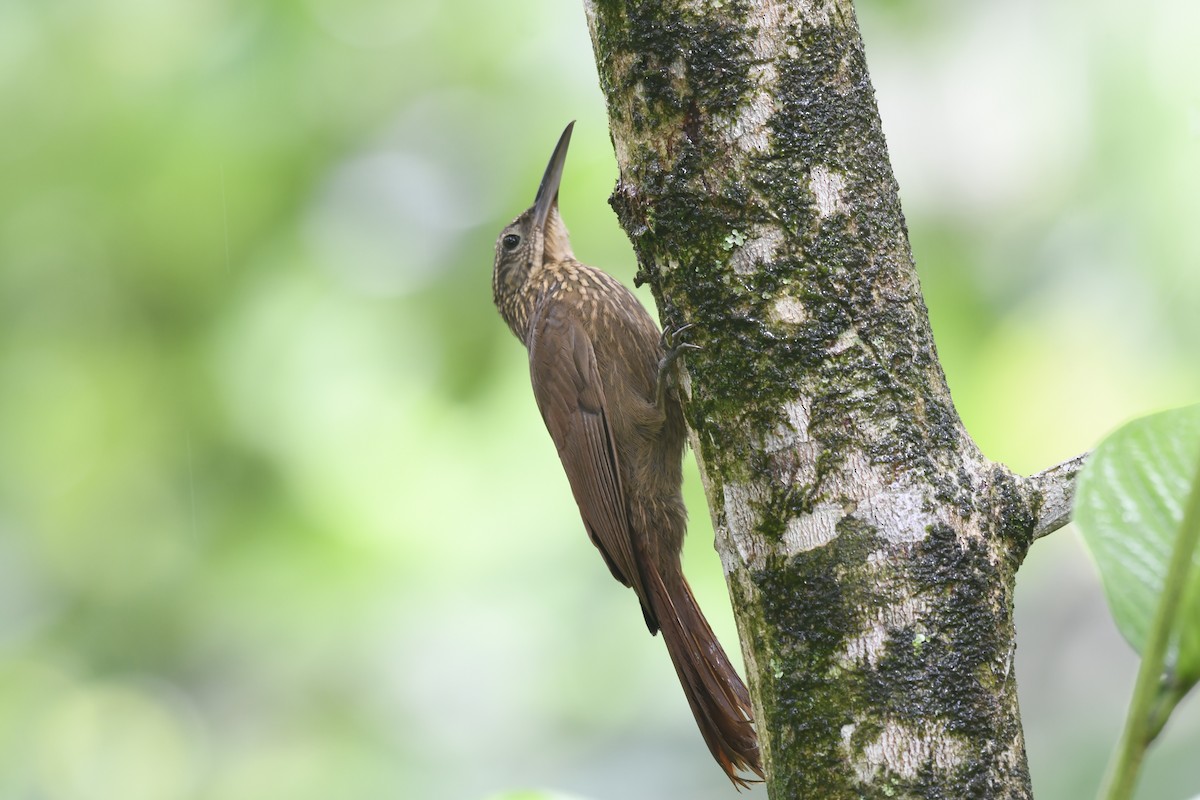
<point>566,384</point>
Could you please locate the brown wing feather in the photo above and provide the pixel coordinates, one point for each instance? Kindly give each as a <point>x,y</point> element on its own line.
<point>567,387</point>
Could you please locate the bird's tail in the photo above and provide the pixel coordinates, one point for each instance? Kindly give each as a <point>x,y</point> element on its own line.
<point>719,699</point>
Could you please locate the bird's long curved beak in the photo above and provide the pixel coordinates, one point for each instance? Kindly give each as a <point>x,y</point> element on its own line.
<point>547,194</point>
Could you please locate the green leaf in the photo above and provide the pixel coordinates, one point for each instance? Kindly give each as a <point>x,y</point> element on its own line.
<point>1129,507</point>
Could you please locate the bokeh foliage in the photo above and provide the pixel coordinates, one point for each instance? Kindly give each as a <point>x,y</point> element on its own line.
<point>277,515</point>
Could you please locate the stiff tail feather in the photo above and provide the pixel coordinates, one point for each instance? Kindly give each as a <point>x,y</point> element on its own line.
<point>717,696</point>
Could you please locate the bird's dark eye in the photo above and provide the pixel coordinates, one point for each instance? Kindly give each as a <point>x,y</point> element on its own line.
<point>510,241</point>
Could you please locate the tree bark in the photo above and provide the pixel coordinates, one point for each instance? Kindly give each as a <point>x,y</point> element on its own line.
<point>869,547</point>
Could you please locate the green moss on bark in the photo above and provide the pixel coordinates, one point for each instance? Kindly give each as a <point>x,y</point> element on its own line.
<point>675,62</point>
<point>871,633</point>
<point>949,670</point>
<point>961,677</point>
<point>809,607</point>
<point>684,210</point>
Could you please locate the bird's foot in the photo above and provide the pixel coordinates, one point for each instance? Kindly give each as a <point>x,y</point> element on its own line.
<point>672,339</point>
<point>673,346</point>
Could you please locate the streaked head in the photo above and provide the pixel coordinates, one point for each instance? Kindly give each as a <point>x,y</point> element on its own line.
<point>537,236</point>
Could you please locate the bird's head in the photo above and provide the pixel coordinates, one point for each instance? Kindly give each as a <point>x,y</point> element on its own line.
<point>538,236</point>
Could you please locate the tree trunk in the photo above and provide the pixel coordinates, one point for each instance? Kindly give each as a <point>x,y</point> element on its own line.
<point>870,548</point>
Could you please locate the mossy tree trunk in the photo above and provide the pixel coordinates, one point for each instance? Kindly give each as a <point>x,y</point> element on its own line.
<point>870,548</point>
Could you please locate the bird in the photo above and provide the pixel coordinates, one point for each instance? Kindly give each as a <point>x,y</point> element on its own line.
<point>602,377</point>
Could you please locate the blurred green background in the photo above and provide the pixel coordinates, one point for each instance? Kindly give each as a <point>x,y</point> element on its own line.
<point>278,516</point>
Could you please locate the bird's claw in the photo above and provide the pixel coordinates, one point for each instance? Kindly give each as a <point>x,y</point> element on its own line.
<point>673,347</point>
<point>672,343</point>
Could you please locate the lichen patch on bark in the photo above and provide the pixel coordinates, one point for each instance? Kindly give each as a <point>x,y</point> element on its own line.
<point>827,186</point>
<point>904,751</point>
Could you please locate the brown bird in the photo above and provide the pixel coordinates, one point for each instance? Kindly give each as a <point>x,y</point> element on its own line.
<point>600,372</point>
